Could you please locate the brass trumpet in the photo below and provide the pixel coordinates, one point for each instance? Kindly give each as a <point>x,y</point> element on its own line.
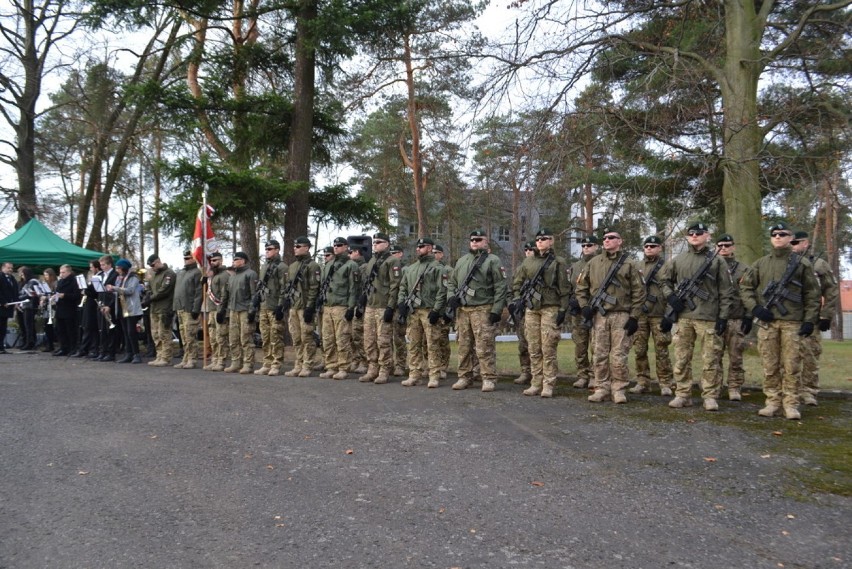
<point>107,317</point>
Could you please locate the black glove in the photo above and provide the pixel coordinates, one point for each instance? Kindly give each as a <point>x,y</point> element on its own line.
<point>560,318</point>
<point>676,303</point>
<point>666,325</point>
<point>454,302</point>
<point>588,312</point>
<point>434,316</point>
<point>309,314</point>
<point>494,318</point>
<point>252,316</point>
<point>204,280</point>
<point>446,319</point>
<point>279,312</point>
<point>745,327</point>
<point>632,325</point>
<point>721,326</point>
<point>195,315</point>
<point>402,312</point>
<point>574,307</point>
<point>349,314</point>
<point>359,312</point>
<point>388,315</point>
<point>806,329</point>
<point>763,313</point>
<point>824,324</point>
<point>220,316</point>
<point>286,304</point>
<point>362,300</point>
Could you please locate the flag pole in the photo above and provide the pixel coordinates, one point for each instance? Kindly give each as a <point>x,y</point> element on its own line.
<point>205,340</point>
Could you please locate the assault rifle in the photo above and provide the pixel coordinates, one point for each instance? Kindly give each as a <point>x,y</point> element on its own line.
<point>323,291</point>
<point>602,296</point>
<point>290,291</point>
<point>651,299</point>
<point>529,292</point>
<point>368,287</point>
<point>691,287</point>
<point>411,301</point>
<point>262,288</point>
<point>460,296</point>
<point>776,292</point>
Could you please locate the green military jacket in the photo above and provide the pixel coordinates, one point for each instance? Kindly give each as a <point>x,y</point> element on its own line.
<point>275,283</point>
<point>577,270</point>
<point>555,287</point>
<point>655,302</point>
<point>430,292</point>
<point>345,283</point>
<point>303,282</point>
<point>385,287</point>
<point>488,285</point>
<point>771,268</point>
<point>188,289</point>
<point>241,287</point>
<point>736,270</point>
<point>626,286</point>
<point>162,290</point>
<point>716,284</point>
<point>828,287</point>
<point>217,284</point>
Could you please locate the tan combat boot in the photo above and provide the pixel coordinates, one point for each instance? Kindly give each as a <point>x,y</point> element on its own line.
<point>381,378</point>
<point>306,372</point>
<point>769,410</point>
<point>433,382</point>
<point>619,397</point>
<point>532,390</point>
<point>666,391</point>
<point>273,371</point>
<point>580,384</point>
<point>178,365</point>
<point>411,381</point>
<point>262,371</point>
<point>809,399</point>
<point>524,379</point>
<point>680,402</point>
<point>372,373</point>
<point>734,394</point>
<point>792,413</point>
<point>398,371</point>
<point>638,388</point>
<point>189,365</point>
<point>710,404</point>
<point>461,384</point>
<point>342,374</point>
<point>547,391</point>
<point>246,369</point>
<point>218,366</point>
<point>327,374</point>
<point>598,396</point>
<point>292,372</point>
<point>487,386</point>
<point>233,368</point>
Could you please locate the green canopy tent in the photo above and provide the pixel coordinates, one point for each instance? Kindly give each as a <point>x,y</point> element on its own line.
<point>37,246</point>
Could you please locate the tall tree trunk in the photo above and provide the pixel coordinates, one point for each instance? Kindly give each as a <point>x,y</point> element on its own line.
<point>301,131</point>
<point>416,163</point>
<point>25,128</point>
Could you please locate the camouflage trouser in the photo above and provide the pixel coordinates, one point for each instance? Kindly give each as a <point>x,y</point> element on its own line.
<point>543,336</point>
<point>523,347</point>
<point>423,347</point>
<point>359,354</point>
<point>780,348</point>
<point>733,341</point>
<point>161,331</point>
<point>218,334</point>
<point>612,346</point>
<point>272,338</point>
<point>304,347</point>
<point>241,338</point>
<point>811,351</point>
<point>476,338</point>
<point>336,339</point>
<point>400,348</point>
<point>188,333</point>
<point>377,340</point>
<point>444,343</point>
<point>649,327</point>
<point>688,332</point>
<point>582,337</point>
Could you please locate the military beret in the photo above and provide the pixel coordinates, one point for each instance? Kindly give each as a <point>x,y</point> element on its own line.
<point>124,264</point>
<point>273,243</point>
<point>589,239</point>
<point>544,232</point>
<point>477,233</point>
<point>529,246</point>
<point>395,248</point>
<point>780,226</point>
<point>187,254</point>
<point>302,241</point>
<point>698,226</point>
<point>214,255</point>
<point>438,248</point>
<point>425,241</point>
<point>338,241</point>
<point>725,238</point>
<point>152,258</point>
<point>381,236</point>
<point>800,235</point>
<point>652,240</point>
<point>606,229</point>
<point>241,255</point>
<point>328,250</point>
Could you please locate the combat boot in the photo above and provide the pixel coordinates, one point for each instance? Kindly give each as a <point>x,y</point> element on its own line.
<point>433,382</point>
<point>360,369</point>
<point>372,373</point>
<point>710,404</point>
<point>666,391</point>
<point>262,371</point>
<point>619,396</point>
<point>809,399</point>
<point>273,371</point>
<point>769,410</point>
<point>792,413</point>
<point>638,388</point>
<point>462,384</point>
<point>158,363</point>
<point>524,379</point>
<point>411,381</point>
<point>734,394</point>
<point>178,365</point>
<point>209,366</point>
<point>680,402</point>
<point>292,372</point>
<point>532,390</point>
<point>218,366</point>
<point>189,365</point>
<point>154,362</point>
<point>580,384</point>
<point>233,368</point>
<point>443,374</point>
<point>487,385</point>
<point>246,369</point>
<point>547,391</point>
<point>327,374</point>
<point>381,378</point>
<point>305,372</point>
<point>598,396</point>
<point>398,371</point>
<point>342,374</point>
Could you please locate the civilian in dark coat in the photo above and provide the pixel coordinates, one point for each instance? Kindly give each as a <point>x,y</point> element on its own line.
<point>8,293</point>
<point>65,311</point>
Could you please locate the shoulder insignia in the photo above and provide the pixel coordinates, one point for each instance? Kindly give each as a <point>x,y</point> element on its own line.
<point>503,271</point>
<point>396,271</point>
<point>445,279</point>
<point>167,280</point>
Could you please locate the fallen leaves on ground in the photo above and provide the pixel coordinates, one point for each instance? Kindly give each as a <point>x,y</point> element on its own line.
<point>778,433</point>
<point>537,483</point>
<point>709,459</point>
<point>350,451</point>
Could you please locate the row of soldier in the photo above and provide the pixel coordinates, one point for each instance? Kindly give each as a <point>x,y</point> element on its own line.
<point>365,310</point>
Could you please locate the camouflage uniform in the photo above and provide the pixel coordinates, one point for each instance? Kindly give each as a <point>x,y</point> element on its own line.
<point>237,301</point>
<point>428,296</point>
<point>700,323</point>
<point>612,341</point>
<point>217,332</point>
<point>443,328</point>
<point>733,340</point>
<point>343,287</point>
<point>274,274</point>
<point>359,354</point>
<point>812,345</point>
<point>187,306</point>
<point>162,295</point>
<point>381,302</point>
<point>542,321</point>
<point>649,327</point>
<point>476,318</point>
<point>303,286</point>
<point>580,335</point>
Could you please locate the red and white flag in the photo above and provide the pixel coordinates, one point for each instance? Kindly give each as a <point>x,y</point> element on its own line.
<point>209,242</point>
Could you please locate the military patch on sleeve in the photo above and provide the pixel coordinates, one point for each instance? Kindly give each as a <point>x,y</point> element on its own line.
<point>503,271</point>
<point>166,281</point>
<point>397,270</point>
<point>317,273</point>
<point>445,279</point>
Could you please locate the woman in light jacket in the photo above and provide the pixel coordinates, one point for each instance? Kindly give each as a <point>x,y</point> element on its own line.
<point>129,306</point>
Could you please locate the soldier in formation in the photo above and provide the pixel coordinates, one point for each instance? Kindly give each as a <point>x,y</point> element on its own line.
<point>739,325</point>
<point>270,309</point>
<point>187,306</point>
<point>523,347</point>
<point>581,335</point>
<point>300,298</point>
<point>379,294</point>
<point>237,309</point>
<point>336,301</point>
